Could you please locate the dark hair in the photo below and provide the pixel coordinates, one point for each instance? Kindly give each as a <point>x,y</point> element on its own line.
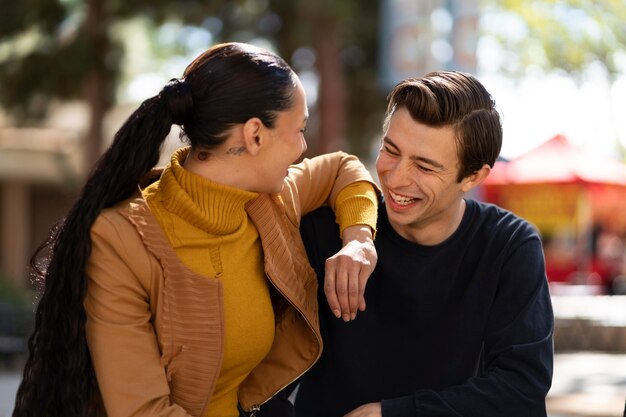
<point>226,85</point>
<point>450,98</point>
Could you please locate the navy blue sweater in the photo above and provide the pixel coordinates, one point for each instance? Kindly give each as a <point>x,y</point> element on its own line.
<point>463,328</point>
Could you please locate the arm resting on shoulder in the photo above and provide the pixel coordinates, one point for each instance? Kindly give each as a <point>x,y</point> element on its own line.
<point>342,182</point>
<point>347,272</point>
<point>318,181</point>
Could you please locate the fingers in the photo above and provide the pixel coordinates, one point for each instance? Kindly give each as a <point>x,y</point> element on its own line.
<point>367,410</point>
<point>344,285</point>
<point>347,272</point>
<point>329,288</point>
<point>354,291</point>
<point>363,277</point>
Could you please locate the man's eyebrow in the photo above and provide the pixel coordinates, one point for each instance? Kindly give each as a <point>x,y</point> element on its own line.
<point>389,142</point>
<point>429,161</point>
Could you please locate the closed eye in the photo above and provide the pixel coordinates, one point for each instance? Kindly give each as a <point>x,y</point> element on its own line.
<point>390,151</point>
<point>424,168</point>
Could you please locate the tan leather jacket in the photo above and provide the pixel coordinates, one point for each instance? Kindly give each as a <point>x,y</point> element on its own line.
<point>155,329</point>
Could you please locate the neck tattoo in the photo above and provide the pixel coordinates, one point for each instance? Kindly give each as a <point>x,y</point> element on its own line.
<point>236,151</point>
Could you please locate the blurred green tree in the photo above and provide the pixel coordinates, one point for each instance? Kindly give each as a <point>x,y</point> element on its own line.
<point>58,50</point>
<point>570,37</point>
<point>67,49</point>
<point>64,49</point>
<point>567,36</point>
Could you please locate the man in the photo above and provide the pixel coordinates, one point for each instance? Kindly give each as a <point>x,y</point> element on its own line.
<point>458,318</point>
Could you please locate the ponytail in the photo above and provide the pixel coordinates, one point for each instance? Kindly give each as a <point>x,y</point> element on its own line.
<point>226,85</point>
<point>58,376</point>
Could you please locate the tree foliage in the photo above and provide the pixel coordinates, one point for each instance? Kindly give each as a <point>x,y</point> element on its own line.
<point>36,55</point>
<point>49,48</point>
<point>68,49</point>
<point>560,35</point>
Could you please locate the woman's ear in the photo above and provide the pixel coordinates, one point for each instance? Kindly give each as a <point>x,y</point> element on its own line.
<point>476,178</point>
<point>253,135</point>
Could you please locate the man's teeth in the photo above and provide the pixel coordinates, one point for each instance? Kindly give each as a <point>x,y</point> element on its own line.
<point>401,200</point>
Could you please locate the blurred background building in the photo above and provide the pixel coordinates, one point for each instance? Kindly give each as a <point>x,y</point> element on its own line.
<point>71,71</point>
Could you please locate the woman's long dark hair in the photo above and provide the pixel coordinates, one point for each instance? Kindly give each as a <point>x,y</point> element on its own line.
<point>228,84</point>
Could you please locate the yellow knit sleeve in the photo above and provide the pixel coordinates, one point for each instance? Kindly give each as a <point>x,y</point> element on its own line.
<point>357,203</point>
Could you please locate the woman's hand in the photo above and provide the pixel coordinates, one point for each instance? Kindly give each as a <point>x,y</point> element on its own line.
<point>347,272</point>
<point>367,410</point>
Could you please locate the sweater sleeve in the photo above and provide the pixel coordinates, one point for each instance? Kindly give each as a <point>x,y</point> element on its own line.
<point>356,204</point>
<point>320,181</point>
<point>516,370</point>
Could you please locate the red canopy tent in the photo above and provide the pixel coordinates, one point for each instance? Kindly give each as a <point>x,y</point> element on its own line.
<point>557,161</point>
<point>564,192</point>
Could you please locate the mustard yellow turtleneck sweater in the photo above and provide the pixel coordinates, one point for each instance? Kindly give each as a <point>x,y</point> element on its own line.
<point>208,227</point>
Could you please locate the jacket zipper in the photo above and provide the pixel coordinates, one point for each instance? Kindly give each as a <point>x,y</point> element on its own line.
<point>255,408</point>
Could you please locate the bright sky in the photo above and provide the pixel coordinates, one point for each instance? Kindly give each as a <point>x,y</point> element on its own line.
<point>591,114</point>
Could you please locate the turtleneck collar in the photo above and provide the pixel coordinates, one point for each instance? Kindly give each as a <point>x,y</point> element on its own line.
<point>215,208</point>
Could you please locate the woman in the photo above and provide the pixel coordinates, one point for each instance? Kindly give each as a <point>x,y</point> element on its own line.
<point>191,294</point>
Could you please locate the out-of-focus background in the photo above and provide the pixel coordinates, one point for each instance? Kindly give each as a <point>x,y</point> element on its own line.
<point>71,71</point>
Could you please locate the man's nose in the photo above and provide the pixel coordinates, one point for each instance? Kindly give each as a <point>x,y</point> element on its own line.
<point>398,175</point>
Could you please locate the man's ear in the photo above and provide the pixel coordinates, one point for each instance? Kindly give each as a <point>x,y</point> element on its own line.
<point>253,135</point>
<point>475,179</point>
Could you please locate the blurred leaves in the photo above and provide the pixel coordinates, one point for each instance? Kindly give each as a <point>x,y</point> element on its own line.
<point>48,48</point>
<point>567,35</point>
<point>17,16</point>
<point>51,69</point>
<point>45,52</point>
<point>51,49</point>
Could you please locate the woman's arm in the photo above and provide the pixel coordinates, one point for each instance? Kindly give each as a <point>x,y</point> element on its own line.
<point>342,182</point>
